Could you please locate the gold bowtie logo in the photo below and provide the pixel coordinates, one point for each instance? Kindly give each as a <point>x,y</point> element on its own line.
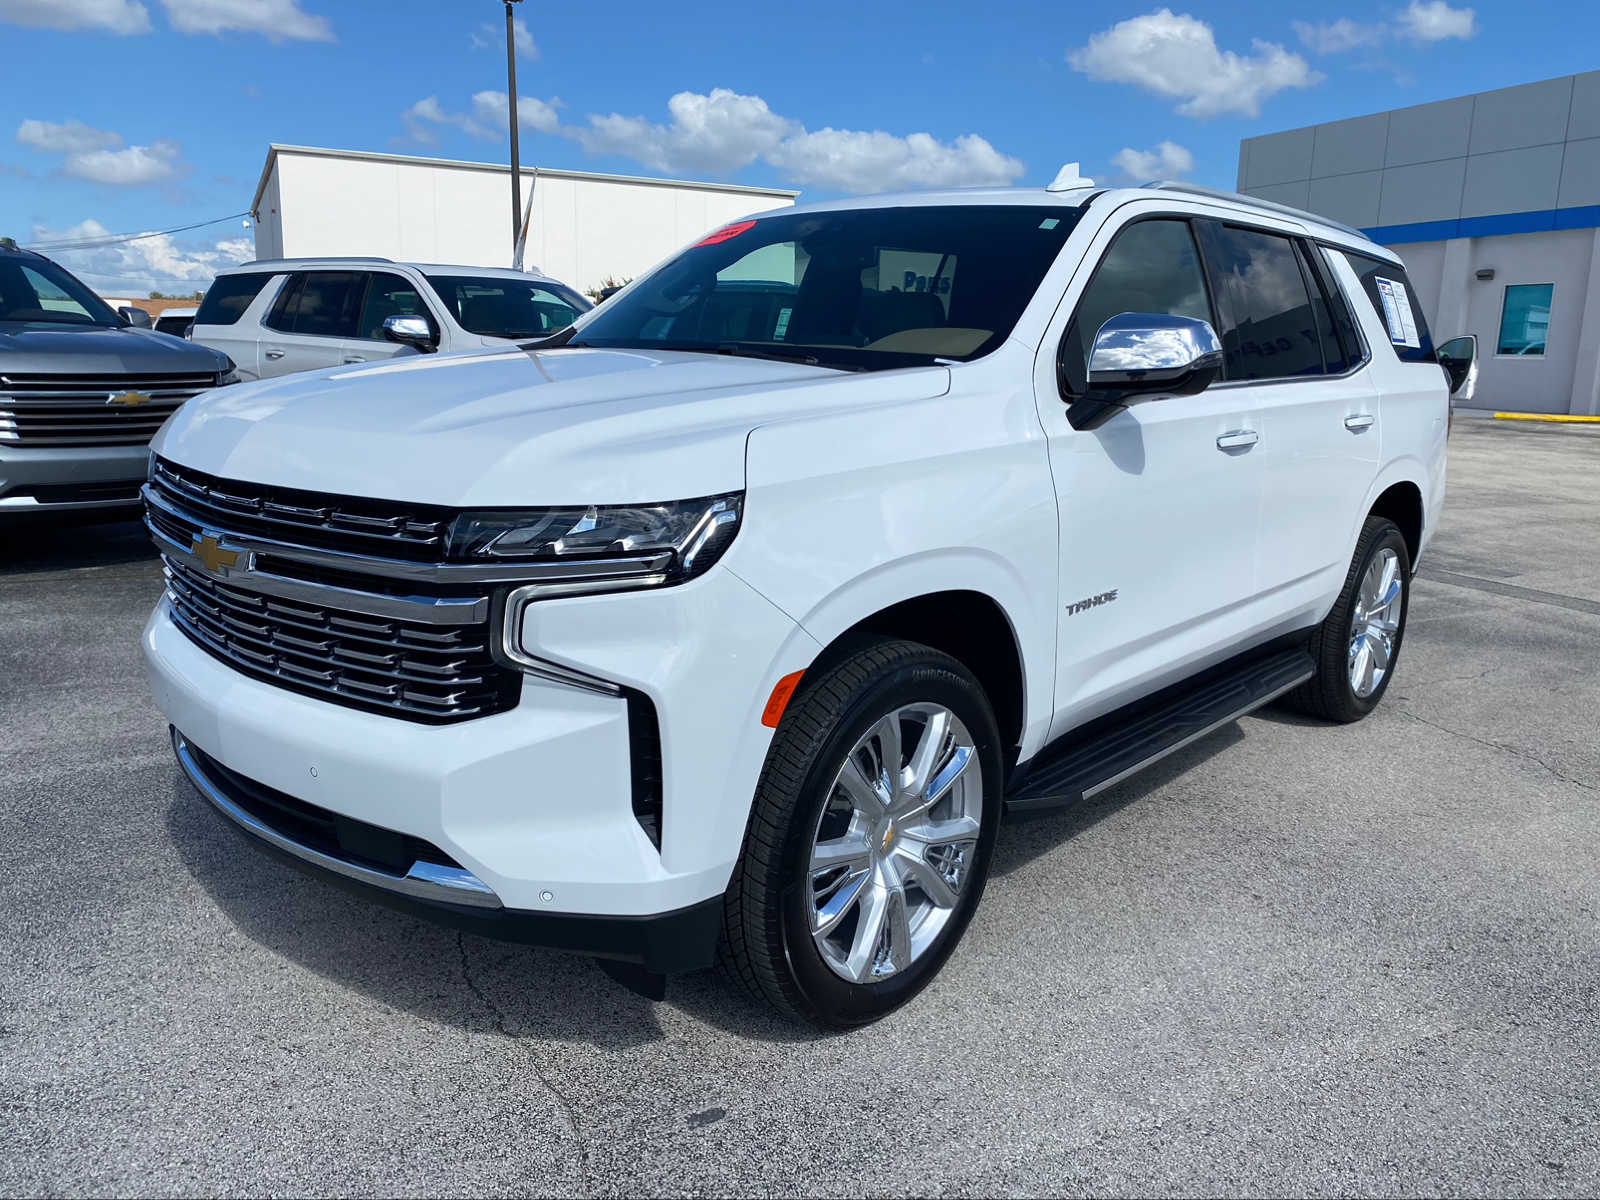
<point>210,552</point>
<point>127,399</point>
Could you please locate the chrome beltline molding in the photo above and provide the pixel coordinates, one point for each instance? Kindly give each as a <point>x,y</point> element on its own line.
<point>430,881</point>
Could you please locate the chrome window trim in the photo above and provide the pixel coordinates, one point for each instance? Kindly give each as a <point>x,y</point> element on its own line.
<point>636,566</point>
<point>430,881</point>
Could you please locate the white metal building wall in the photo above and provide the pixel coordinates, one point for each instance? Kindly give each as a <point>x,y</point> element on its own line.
<point>585,227</point>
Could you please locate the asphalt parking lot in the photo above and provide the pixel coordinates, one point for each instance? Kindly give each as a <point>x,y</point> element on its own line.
<point>1294,958</point>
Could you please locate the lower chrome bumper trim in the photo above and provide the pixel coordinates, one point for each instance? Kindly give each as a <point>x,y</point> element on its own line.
<point>425,880</point>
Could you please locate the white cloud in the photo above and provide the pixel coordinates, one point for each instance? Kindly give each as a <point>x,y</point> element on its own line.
<point>275,20</point>
<point>99,156</point>
<point>1335,37</point>
<point>152,264</point>
<point>68,137</point>
<point>107,16</point>
<point>1176,56</point>
<point>490,36</point>
<point>1436,21</point>
<point>854,161</point>
<point>720,133</point>
<point>1167,161</point>
<point>488,119</point>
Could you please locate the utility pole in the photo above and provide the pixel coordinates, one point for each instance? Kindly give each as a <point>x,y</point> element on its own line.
<point>511,93</point>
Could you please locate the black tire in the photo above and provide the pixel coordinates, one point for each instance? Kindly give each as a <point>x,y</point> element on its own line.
<point>1329,693</point>
<point>766,940</point>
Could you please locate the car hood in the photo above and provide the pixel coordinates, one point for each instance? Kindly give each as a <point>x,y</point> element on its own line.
<point>46,348</point>
<point>517,428</point>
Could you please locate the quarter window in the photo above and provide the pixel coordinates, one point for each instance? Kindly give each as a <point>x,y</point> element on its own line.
<point>228,297</point>
<point>1525,319</point>
<point>1272,330</point>
<point>1411,340</point>
<point>1152,267</point>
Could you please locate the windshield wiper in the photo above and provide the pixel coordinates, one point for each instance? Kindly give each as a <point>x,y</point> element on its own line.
<point>554,341</point>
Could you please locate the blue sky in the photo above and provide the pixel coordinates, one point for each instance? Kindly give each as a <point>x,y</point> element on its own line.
<point>133,115</point>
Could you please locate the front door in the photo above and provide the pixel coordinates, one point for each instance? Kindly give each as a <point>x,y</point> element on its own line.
<point>1158,506</point>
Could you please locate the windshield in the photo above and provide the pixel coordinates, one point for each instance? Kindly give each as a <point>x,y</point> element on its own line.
<point>35,289</point>
<point>864,289</point>
<point>508,308</point>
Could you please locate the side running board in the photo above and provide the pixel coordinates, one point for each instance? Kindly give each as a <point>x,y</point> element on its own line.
<point>1109,750</point>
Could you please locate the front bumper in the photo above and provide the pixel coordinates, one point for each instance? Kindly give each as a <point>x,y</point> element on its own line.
<point>48,479</point>
<point>664,943</point>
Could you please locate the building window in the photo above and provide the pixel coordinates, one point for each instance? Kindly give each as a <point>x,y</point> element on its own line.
<point>1525,319</point>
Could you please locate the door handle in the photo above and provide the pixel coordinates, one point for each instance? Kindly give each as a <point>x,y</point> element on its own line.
<point>1239,439</point>
<point>274,354</point>
<point>354,358</point>
<point>1359,422</point>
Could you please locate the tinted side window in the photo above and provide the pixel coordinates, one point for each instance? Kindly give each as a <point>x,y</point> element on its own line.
<point>228,297</point>
<point>389,296</point>
<point>1270,331</point>
<point>1152,267</point>
<point>1384,283</point>
<point>320,303</point>
<point>1351,343</point>
<point>1335,359</point>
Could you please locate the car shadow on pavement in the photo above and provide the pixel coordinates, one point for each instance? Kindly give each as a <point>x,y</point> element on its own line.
<point>58,544</point>
<point>434,972</point>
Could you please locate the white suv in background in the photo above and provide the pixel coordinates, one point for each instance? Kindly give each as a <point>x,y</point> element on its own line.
<point>731,620</point>
<point>278,316</point>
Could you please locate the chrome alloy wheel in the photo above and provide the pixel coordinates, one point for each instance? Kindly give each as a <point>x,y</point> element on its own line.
<point>895,843</point>
<point>1375,622</point>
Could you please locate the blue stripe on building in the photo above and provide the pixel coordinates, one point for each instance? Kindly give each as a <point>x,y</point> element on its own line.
<point>1544,221</point>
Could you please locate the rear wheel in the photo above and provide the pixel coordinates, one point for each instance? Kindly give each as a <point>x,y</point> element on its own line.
<point>1357,646</point>
<point>870,838</point>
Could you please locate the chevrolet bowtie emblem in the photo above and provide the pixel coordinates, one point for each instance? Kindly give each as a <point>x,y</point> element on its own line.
<point>127,399</point>
<point>210,552</point>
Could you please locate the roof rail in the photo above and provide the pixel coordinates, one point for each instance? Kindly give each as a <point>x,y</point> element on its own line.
<point>271,262</point>
<point>1169,185</point>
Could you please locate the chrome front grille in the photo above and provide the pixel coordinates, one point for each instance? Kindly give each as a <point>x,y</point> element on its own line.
<point>339,523</point>
<point>91,410</point>
<point>386,635</point>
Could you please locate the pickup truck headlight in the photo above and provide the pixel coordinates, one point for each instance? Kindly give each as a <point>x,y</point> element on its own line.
<point>229,374</point>
<point>618,546</point>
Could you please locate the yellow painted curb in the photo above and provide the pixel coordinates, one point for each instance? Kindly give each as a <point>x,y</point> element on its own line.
<point>1555,417</point>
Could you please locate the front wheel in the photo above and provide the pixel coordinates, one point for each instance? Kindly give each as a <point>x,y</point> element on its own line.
<point>1357,646</point>
<point>870,837</point>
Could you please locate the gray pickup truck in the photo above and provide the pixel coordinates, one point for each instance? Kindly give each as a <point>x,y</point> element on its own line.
<point>82,391</point>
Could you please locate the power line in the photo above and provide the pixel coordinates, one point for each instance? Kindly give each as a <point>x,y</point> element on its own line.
<point>118,239</point>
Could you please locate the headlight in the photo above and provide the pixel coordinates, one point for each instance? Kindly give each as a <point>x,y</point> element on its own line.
<point>605,546</point>
<point>229,374</point>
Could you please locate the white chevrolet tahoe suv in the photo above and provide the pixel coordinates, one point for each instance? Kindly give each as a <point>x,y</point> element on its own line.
<point>728,622</point>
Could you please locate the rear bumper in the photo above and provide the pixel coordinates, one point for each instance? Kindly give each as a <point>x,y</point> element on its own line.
<point>70,478</point>
<point>666,943</point>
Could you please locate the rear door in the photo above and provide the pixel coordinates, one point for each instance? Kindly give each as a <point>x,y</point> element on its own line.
<point>229,317</point>
<point>387,295</point>
<point>1159,506</point>
<point>1317,410</point>
<point>313,317</point>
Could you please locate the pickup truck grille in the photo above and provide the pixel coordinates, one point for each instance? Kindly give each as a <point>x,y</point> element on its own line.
<point>91,410</point>
<point>341,629</point>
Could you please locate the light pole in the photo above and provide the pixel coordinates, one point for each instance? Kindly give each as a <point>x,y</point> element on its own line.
<point>511,93</point>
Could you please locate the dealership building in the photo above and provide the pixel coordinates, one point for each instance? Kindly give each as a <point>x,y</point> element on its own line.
<point>1493,201</point>
<point>584,227</point>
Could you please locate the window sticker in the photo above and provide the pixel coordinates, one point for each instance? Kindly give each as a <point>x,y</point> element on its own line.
<point>783,324</point>
<point>1397,313</point>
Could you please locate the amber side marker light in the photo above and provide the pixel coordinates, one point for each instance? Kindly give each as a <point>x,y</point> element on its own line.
<point>779,700</point>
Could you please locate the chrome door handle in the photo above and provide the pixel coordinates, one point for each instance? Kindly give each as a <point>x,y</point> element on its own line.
<point>1359,422</point>
<point>273,353</point>
<point>1239,439</point>
<point>354,358</point>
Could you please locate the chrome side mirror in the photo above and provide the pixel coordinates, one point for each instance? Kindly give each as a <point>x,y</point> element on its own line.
<point>410,331</point>
<point>1142,356</point>
<point>1459,358</point>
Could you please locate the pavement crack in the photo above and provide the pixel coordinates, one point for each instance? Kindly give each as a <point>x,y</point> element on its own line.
<point>1501,746</point>
<point>501,1025</point>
